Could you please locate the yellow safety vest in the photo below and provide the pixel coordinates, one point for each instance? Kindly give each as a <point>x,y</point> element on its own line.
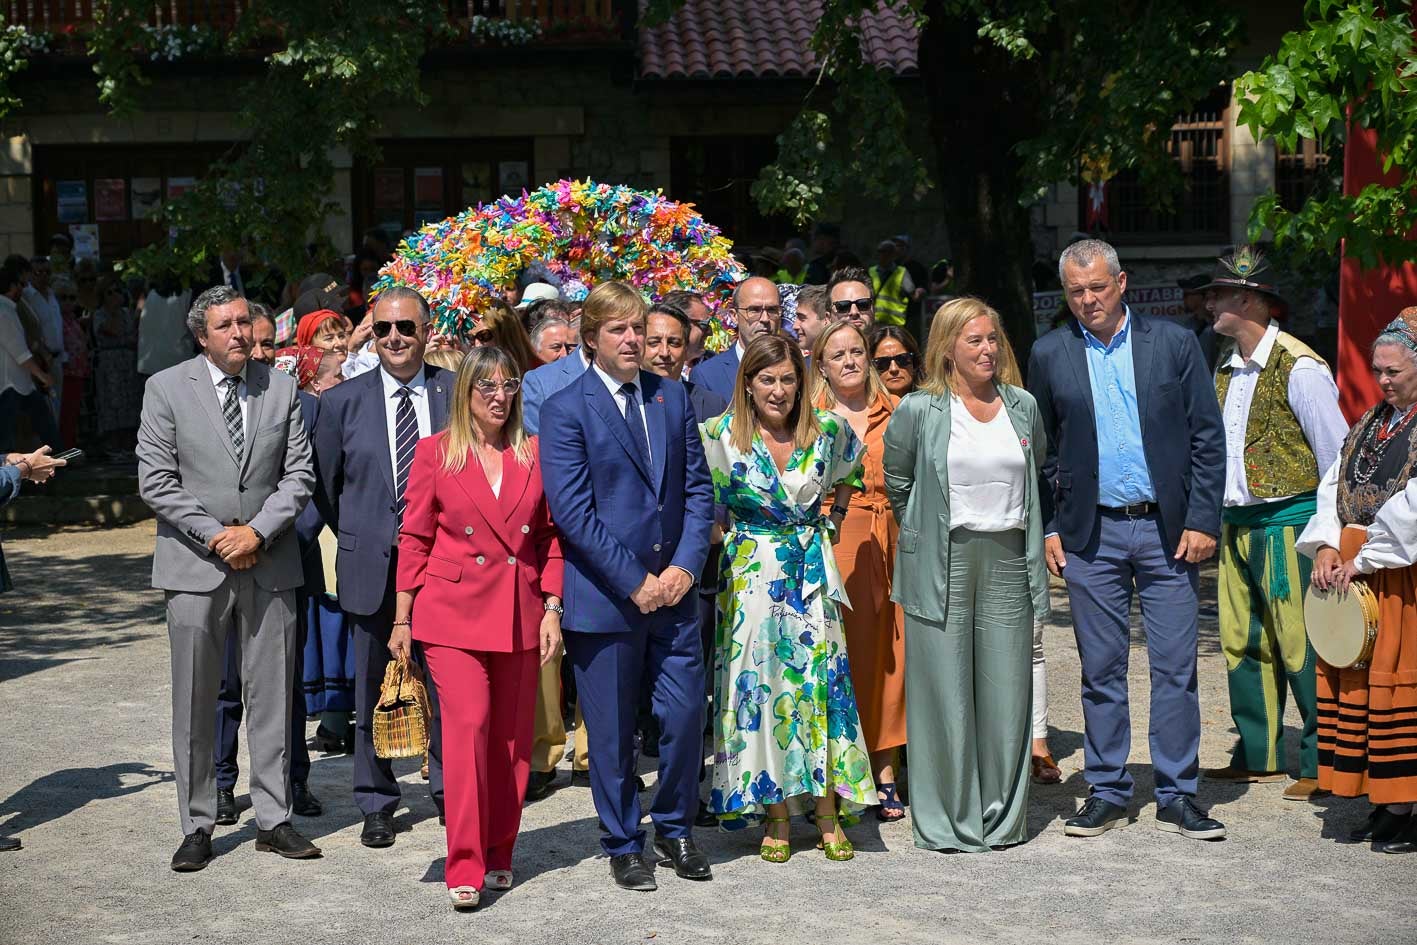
<point>783,277</point>
<point>890,296</point>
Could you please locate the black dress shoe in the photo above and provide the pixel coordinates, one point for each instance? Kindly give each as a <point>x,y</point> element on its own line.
<point>286,841</point>
<point>378,830</point>
<point>705,817</point>
<point>225,807</point>
<point>688,862</point>
<point>1184,817</point>
<point>580,778</point>
<point>540,785</point>
<point>640,785</point>
<point>303,802</point>
<point>1382,826</point>
<point>631,872</point>
<point>1095,818</point>
<point>9,844</point>
<point>327,741</point>
<point>1406,842</point>
<point>194,854</point>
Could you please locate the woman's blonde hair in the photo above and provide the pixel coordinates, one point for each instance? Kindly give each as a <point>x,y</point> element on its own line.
<point>940,374</point>
<point>482,364</point>
<point>609,302</point>
<point>763,352</point>
<point>445,358</point>
<point>509,334</point>
<point>822,392</point>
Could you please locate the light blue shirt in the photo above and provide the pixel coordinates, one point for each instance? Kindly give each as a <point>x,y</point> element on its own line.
<point>1122,474</point>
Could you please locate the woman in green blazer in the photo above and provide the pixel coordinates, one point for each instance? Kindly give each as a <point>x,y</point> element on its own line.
<point>962,459</point>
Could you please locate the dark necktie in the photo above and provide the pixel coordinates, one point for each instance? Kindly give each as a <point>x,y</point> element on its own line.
<point>636,423</point>
<point>231,411</point>
<point>405,438</point>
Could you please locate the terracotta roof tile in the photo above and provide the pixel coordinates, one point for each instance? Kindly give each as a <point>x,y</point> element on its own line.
<point>731,39</point>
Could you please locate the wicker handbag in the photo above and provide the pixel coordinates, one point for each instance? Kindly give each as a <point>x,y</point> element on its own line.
<point>403,717</point>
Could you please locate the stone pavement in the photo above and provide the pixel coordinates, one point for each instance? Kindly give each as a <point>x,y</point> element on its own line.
<point>84,722</point>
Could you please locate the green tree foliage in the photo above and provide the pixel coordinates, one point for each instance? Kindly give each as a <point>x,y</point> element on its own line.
<point>1019,94</point>
<point>1350,52</point>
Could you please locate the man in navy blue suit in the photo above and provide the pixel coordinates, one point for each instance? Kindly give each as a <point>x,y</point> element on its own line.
<point>364,440</point>
<point>1136,459</point>
<point>758,310</point>
<point>629,489</point>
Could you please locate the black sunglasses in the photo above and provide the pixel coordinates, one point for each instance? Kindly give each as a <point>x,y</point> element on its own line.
<point>484,336</point>
<point>905,361</point>
<point>845,306</point>
<point>406,326</point>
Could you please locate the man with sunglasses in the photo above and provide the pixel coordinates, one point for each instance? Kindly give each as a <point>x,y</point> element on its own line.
<point>851,298</point>
<point>758,310</point>
<point>364,439</point>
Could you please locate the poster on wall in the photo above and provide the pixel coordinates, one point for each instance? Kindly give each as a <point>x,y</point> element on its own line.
<point>428,188</point>
<point>73,201</point>
<point>85,237</point>
<point>388,188</point>
<point>177,186</point>
<point>110,199</point>
<point>512,177</point>
<point>1154,301</point>
<point>147,197</point>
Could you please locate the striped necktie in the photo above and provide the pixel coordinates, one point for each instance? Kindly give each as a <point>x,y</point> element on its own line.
<point>405,438</point>
<point>231,411</point>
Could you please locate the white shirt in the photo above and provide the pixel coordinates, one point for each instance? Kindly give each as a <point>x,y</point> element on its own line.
<point>51,319</point>
<point>219,382</point>
<point>361,361</point>
<point>14,353</point>
<point>986,471</point>
<point>1392,538</point>
<point>419,399</point>
<point>1312,396</point>
<point>614,386</point>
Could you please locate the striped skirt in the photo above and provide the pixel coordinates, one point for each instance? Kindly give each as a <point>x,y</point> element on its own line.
<point>1368,717</point>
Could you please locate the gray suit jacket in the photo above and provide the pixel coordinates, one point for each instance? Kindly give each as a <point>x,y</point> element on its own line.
<point>189,474</point>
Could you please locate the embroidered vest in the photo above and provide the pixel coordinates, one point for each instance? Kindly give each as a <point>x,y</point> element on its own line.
<point>1278,459</point>
<point>1373,469</point>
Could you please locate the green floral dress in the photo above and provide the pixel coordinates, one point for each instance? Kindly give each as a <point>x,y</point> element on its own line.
<point>787,726</point>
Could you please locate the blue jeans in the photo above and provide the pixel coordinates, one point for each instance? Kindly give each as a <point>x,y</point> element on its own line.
<point>34,405</point>
<point>1130,554</point>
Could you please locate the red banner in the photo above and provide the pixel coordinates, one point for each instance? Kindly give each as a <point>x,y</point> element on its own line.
<point>1368,298</point>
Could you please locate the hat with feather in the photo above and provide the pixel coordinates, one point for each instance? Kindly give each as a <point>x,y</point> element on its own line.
<point>1245,269</point>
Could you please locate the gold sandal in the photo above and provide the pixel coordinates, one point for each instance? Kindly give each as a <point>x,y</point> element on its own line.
<point>838,850</point>
<point>774,854</point>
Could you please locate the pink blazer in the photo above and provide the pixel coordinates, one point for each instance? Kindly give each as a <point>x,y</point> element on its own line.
<point>479,562</point>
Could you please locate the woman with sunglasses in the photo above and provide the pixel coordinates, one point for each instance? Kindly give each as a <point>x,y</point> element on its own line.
<point>896,357</point>
<point>501,327</point>
<point>846,383</point>
<point>479,587</point>
<point>962,459</point>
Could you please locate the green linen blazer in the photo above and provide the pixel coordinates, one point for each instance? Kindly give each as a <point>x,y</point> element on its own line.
<point>916,461</point>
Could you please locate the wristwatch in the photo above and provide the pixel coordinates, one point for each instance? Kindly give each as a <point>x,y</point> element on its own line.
<point>556,609</point>
<point>259,537</point>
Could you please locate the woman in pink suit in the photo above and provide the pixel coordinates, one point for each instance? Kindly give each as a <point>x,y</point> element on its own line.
<point>479,585</point>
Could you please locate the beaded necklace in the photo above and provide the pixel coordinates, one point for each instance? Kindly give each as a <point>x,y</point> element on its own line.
<point>1375,442</point>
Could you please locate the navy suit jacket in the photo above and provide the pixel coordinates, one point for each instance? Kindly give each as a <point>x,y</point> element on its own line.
<point>1181,430</point>
<point>620,520</point>
<point>705,402</point>
<point>354,481</point>
<point>718,373</point>
<point>309,522</point>
<point>540,383</point>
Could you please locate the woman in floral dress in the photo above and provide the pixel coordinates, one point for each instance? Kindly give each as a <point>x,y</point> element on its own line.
<point>787,736</point>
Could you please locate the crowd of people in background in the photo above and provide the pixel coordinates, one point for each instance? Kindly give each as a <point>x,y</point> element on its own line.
<point>825,548</point>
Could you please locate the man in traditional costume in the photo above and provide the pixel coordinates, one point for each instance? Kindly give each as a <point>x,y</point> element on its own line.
<point>1283,429</point>
<point>1366,528</point>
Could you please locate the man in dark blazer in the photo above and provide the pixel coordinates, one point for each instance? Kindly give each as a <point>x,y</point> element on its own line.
<point>629,488</point>
<point>757,306</point>
<point>364,441</point>
<point>1136,459</point>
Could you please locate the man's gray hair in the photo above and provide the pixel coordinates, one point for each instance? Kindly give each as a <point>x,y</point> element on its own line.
<point>396,292</point>
<point>551,321</point>
<point>1084,253</point>
<point>213,297</point>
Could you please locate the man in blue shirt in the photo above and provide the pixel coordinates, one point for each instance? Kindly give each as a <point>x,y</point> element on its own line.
<point>1136,462</point>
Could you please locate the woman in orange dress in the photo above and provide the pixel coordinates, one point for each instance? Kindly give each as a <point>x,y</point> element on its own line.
<point>848,385</point>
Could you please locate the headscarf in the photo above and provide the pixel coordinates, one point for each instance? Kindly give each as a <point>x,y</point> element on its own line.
<point>301,362</point>
<point>1402,330</point>
<point>310,324</point>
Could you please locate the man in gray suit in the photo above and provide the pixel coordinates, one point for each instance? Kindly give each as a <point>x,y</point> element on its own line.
<point>224,462</point>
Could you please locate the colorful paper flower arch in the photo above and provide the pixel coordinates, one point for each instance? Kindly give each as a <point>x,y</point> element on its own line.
<point>585,233</point>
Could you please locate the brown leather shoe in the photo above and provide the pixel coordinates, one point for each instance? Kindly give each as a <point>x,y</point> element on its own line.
<point>1045,770</point>
<point>1304,789</point>
<point>1232,773</point>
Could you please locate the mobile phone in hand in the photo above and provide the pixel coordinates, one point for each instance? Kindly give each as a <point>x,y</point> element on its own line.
<point>74,457</point>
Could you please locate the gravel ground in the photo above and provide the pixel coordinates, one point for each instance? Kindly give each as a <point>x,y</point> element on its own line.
<point>87,784</point>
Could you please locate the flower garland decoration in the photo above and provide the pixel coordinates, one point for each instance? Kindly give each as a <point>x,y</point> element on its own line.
<point>584,233</point>
<point>503,32</point>
<point>171,42</point>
